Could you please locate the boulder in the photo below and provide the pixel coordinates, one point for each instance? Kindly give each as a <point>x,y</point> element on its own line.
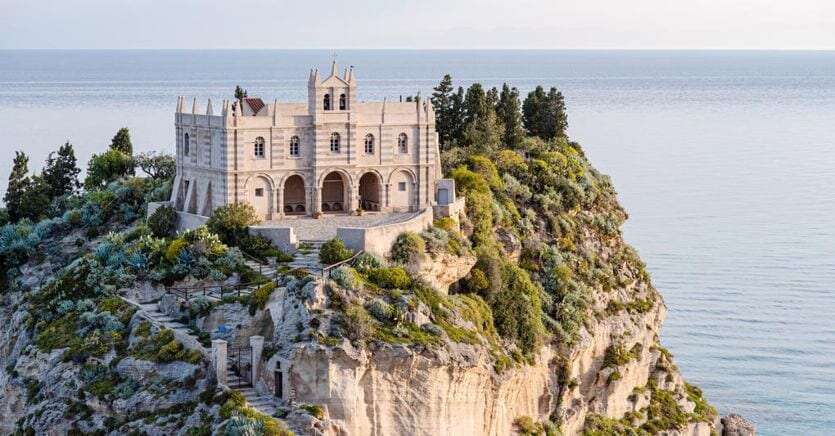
<point>736,425</point>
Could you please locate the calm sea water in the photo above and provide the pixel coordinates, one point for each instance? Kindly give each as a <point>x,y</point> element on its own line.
<point>723,159</point>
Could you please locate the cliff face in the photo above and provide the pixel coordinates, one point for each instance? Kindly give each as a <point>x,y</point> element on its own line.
<point>532,316</point>
<point>551,323</point>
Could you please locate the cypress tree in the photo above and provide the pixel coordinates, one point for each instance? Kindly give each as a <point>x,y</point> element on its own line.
<point>481,127</point>
<point>442,99</point>
<point>555,119</point>
<point>457,116</point>
<point>533,113</point>
<point>60,173</point>
<point>121,142</point>
<point>508,111</point>
<point>19,183</point>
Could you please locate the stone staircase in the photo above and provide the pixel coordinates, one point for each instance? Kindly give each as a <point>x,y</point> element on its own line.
<point>182,333</point>
<point>307,256</point>
<point>266,269</point>
<point>262,403</point>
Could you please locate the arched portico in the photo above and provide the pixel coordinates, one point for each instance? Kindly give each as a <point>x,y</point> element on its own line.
<point>371,191</point>
<point>294,196</point>
<point>335,193</point>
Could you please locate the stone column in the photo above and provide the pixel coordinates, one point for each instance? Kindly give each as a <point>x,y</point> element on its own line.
<point>256,343</point>
<point>386,198</point>
<point>279,196</point>
<point>219,360</point>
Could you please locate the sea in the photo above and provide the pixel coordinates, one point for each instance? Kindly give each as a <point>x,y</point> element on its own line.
<point>724,160</point>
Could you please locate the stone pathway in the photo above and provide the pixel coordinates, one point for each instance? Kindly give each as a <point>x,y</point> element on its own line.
<point>262,403</point>
<point>324,228</point>
<point>307,256</point>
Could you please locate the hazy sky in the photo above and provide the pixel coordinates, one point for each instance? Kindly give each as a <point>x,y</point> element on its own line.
<point>417,24</point>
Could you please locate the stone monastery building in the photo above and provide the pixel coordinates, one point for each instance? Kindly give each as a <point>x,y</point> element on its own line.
<point>331,154</point>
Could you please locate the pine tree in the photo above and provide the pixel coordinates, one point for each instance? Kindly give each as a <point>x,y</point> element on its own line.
<point>19,183</point>
<point>60,173</point>
<point>510,116</point>
<point>544,114</point>
<point>36,199</point>
<point>533,113</point>
<point>121,142</point>
<point>456,118</point>
<point>442,100</point>
<point>482,129</point>
<point>555,119</point>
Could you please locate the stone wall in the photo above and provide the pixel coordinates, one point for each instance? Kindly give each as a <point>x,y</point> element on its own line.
<point>190,221</point>
<point>282,237</point>
<point>378,240</point>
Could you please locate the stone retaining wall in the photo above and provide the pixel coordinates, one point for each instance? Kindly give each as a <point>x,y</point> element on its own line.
<point>282,237</point>
<point>378,240</point>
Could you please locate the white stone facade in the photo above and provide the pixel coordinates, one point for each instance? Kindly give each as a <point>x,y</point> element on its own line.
<point>332,154</point>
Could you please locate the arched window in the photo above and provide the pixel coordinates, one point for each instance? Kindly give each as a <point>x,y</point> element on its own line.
<point>186,144</point>
<point>294,146</point>
<point>342,102</point>
<point>259,147</point>
<point>327,102</point>
<point>402,143</point>
<point>335,142</point>
<point>369,143</point>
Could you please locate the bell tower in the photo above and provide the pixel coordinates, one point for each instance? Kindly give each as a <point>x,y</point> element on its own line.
<point>333,94</point>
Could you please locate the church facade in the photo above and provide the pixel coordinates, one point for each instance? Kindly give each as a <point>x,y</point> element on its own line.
<point>332,154</point>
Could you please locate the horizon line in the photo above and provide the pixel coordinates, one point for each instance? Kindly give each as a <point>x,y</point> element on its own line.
<point>413,49</point>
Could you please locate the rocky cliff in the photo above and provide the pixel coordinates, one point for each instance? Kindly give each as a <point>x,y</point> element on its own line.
<point>528,314</point>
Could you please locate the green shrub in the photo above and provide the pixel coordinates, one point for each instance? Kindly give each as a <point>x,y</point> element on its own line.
<point>163,348</point>
<point>163,222</point>
<point>407,247</point>
<point>359,325</point>
<point>366,261</point>
<point>389,278</point>
<point>314,409</point>
<point>260,296</point>
<point>261,248</point>
<point>231,222</point>
<point>346,277</point>
<point>334,251</point>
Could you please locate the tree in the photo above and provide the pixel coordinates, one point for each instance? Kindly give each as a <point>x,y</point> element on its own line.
<point>556,119</point>
<point>240,93</point>
<point>231,222</point>
<point>107,167</point>
<point>532,112</point>
<point>544,114</point>
<point>156,166</point>
<point>457,116</point>
<point>509,113</point>
<point>442,102</point>
<point>60,174</point>
<point>19,183</point>
<point>121,142</point>
<point>163,222</point>
<point>481,127</point>
<point>37,199</point>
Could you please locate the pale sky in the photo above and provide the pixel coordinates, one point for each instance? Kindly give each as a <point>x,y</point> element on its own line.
<point>636,24</point>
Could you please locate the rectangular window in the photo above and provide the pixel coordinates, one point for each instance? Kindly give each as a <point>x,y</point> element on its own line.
<point>294,149</point>
<point>259,149</point>
<point>401,186</point>
<point>259,192</point>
